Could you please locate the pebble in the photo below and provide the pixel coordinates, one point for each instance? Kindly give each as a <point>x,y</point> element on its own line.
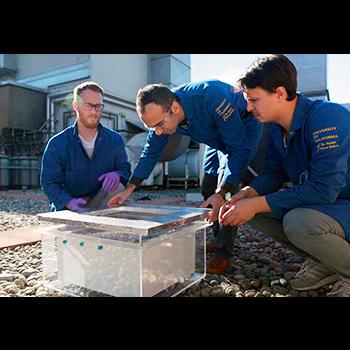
<point>260,266</point>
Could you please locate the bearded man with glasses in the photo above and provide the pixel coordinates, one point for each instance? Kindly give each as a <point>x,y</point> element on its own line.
<point>86,164</point>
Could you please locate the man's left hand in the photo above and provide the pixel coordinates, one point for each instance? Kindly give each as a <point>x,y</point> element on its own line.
<point>110,180</point>
<point>239,213</point>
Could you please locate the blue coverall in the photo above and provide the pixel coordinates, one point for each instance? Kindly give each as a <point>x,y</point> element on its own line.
<point>67,172</point>
<point>216,116</point>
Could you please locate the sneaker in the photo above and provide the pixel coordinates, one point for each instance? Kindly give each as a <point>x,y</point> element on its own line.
<point>312,275</point>
<point>218,265</point>
<point>341,288</point>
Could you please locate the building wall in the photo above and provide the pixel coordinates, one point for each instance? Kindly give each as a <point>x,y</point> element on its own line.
<point>312,71</point>
<point>28,114</point>
<point>171,70</point>
<point>31,64</point>
<point>120,74</point>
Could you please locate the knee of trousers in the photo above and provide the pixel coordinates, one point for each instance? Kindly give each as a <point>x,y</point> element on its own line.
<point>300,225</point>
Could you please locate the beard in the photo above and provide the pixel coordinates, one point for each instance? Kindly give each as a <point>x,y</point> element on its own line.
<point>90,121</point>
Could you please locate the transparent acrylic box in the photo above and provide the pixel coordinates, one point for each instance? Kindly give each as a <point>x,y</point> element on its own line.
<point>138,251</point>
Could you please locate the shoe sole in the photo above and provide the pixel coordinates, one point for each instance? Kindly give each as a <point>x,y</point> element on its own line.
<point>319,284</point>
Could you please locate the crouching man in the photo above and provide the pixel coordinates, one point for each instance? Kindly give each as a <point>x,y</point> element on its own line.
<point>310,147</point>
<point>85,165</point>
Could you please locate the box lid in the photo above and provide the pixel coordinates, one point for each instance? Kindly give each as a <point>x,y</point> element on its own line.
<point>136,219</point>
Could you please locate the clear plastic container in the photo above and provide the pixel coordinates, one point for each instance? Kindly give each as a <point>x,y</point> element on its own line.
<point>82,260</point>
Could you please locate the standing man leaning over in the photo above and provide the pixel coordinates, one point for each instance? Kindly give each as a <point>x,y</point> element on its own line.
<point>84,165</point>
<point>211,113</point>
<point>310,147</point>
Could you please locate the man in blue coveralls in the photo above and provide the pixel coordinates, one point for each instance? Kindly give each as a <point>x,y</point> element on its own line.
<point>84,165</point>
<point>310,147</point>
<point>211,113</point>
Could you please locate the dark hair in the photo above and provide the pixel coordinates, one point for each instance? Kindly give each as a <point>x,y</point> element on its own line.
<point>269,73</point>
<point>87,85</point>
<point>155,93</point>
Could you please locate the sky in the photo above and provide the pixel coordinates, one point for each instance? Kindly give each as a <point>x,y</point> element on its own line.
<point>228,67</point>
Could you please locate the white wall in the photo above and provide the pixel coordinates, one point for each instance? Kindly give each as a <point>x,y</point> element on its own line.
<point>126,73</point>
<point>312,71</point>
<point>31,64</point>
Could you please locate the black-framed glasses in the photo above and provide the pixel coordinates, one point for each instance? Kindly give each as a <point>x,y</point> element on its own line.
<point>87,106</point>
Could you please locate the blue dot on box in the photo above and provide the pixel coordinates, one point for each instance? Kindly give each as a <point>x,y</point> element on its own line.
<point>100,247</point>
<point>65,241</point>
<point>82,244</point>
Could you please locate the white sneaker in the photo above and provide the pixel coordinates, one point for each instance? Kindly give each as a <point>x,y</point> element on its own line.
<point>341,288</point>
<point>312,275</point>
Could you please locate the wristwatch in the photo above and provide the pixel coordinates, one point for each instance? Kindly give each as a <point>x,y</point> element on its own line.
<point>226,195</point>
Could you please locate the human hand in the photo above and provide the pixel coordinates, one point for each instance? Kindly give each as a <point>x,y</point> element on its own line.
<point>76,204</point>
<point>119,199</point>
<point>238,213</point>
<point>110,180</point>
<point>238,196</point>
<point>216,201</point>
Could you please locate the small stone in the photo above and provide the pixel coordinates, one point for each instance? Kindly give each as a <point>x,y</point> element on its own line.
<point>7,277</point>
<point>215,292</point>
<point>266,293</point>
<point>20,282</point>
<point>256,283</point>
<point>250,293</point>
<point>264,271</point>
<point>279,290</point>
<point>32,282</point>
<point>238,277</point>
<point>283,281</point>
<point>28,272</point>
<point>249,274</point>
<point>214,282</point>
<point>244,284</point>
<point>204,293</point>
<point>293,293</point>
<point>265,259</point>
<point>274,283</point>
<point>11,289</point>
<point>312,293</point>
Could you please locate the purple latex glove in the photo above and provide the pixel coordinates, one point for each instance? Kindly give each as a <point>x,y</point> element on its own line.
<point>76,204</point>
<point>110,180</point>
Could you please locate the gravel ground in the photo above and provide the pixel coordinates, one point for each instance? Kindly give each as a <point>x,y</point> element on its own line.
<point>260,267</point>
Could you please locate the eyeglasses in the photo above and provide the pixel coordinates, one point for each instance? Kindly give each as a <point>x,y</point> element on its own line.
<point>89,106</point>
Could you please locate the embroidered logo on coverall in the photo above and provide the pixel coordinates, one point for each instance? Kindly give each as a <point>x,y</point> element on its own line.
<point>224,109</point>
<point>326,138</point>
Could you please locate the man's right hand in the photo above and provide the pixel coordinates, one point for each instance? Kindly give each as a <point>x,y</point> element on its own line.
<point>122,196</point>
<point>215,201</point>
<point>76,204</point>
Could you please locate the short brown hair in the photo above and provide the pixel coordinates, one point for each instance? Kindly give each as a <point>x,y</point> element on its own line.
<point>269,73</point>
<point>87,85</point>
<point>155,93</point>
